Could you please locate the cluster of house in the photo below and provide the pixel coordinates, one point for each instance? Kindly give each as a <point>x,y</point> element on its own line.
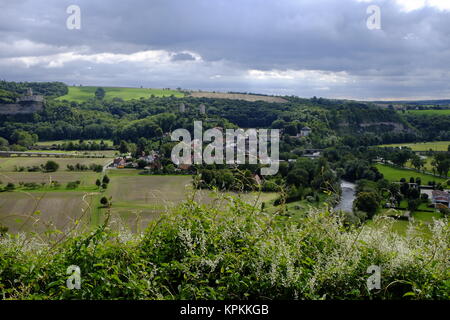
<point>439,198</point>
<point>152,161</point>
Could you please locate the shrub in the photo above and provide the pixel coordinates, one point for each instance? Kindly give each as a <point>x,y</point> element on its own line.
<point>104,201</point>
<point>10,186</point>
<point>72,185</point>
<point>51,166</point>
<point>232,252</point>
<point>105,179</point>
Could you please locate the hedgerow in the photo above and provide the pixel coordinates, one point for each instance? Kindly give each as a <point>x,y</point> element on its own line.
<point>238,252</point>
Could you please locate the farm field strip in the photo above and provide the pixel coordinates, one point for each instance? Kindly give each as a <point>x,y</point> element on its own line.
<point>443,112</point>
<point>34,212</point>
<point>395,174</point>
<point>81,94</point>
<point>56,142</point>
<point>8,164</point>
<point>237,96</point>
<point>421,146</point>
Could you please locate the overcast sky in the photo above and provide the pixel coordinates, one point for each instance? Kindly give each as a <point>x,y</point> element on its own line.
<point>301,47</point>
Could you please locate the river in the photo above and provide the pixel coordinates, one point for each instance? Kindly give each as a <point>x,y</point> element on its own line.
<point>347,197</point>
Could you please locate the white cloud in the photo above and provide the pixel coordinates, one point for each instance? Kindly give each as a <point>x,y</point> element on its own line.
<point>59,60</point>
<point>411,5</point>
<point>306,75</point>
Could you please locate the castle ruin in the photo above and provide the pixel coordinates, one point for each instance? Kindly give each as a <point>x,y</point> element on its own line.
<point>26,104</point>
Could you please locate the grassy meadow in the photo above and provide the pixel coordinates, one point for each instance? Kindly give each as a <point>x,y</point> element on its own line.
<point>422,146</point>
<point>39,211</point>
<point>395,174</point>
<point>421,223</point>
<point>81,94</point>
<point>445,112</point>
<point>59,142</point>
<point>138,199</point>
<point>8,164</point>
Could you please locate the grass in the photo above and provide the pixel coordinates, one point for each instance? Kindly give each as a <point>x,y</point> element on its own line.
<point>197,253</point>
<point>395,174</point>
<point>20,211</point>
<point>56,142</point>
<point>8,164</point>
<point>81,94</point>
<point>421,222</point>
<point>87,179</point>
<point>422,146</point>
<point>298,209</point>
<point>445,112</point>
<point>81,154</point>
<point>138,199</point>
<point>428,167</point>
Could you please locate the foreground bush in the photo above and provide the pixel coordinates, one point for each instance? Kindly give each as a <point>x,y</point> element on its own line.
<point>199,252</point>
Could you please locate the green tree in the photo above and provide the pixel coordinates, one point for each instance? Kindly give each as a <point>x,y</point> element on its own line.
<point>4,144</point>
<point>100,93</point>
<point>10,186</point>
<point>441,163</point>
<point>367,202</point>
<point>413,204</point>
<point>444,211</point>
<point>141,164</point>
<point>105,179</point>
<point>98,183</point>
<point>417,162</point>
<point>51,166</point>
<point>23,138</point>
<point>123,148</point>
<point>104,201</point>
<point>399,158</point>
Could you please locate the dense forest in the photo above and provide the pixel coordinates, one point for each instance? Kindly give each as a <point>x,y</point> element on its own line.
<point>51,89</point>
<point>350,123</point>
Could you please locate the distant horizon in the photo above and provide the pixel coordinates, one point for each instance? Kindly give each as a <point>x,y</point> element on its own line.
<point>400,100</point>
<point>365,50</point>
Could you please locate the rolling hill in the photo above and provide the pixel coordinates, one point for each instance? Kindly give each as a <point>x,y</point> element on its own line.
<point>81,94</point>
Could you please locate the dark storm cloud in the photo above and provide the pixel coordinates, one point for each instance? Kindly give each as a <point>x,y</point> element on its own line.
<point>308,47</point>
<point>182,57</point>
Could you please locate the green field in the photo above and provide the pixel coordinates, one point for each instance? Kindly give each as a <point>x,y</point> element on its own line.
<point>81,94</point>
<point>422,146</point>
<point>395,174</point>
<point>8,164</point>
<point>56,142</point>
<point>445,112</point>
<point>80,154</point>
<point>136,199</point>
<point>37,212</point>
<point>421,221</point>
